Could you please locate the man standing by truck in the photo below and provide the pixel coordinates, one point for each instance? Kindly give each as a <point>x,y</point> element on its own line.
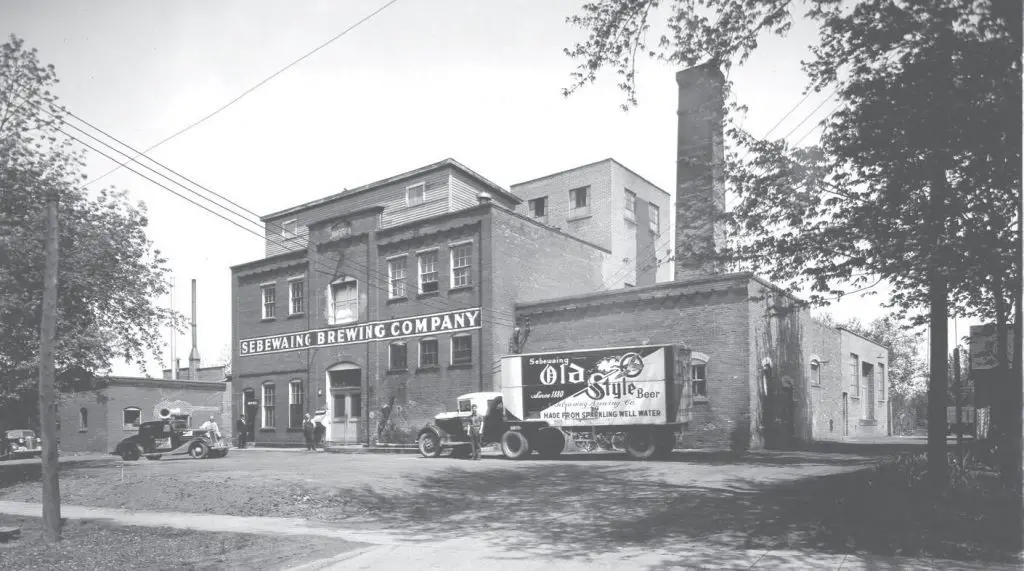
<point>476,427</point>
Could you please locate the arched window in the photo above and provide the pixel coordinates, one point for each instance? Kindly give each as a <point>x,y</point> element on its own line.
<point>83,419</point>
<point>131,417</point>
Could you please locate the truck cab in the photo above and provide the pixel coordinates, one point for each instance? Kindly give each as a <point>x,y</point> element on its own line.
<point>448,431</point>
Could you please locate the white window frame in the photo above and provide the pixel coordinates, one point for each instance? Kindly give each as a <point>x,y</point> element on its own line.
<point>654,218</point>
<point>542,200</point>
<point>422,186</point>
<point>333,317</point>
<point>451,350</point>
<point>390,362</point>
<point>855,367</point>
<point>289,234</point>
<point>125,425</point>
<point>815,368</point>
<point>291,401</point>
<point>468,267</point>
<point>392,280</point>
<point>880,384</point>
<point>419,270</point>
<point>264,406</point>
<point>419,356</point>
<point>300,280</point>
<point>698,359</point>
<point>630,204</point>
<point>272,304</point>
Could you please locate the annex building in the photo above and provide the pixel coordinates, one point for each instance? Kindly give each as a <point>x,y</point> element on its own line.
<point>381,304</point>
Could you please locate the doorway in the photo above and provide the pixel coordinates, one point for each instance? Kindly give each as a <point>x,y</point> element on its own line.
<point>344,403</point>
<point>250,406</point>
<point>846,414</point>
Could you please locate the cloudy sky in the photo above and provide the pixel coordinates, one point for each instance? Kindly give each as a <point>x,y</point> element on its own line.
<point>478,81</point>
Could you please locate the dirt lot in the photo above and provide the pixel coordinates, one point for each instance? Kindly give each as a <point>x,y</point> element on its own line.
<point>560,508</point>
<point>97,545</point>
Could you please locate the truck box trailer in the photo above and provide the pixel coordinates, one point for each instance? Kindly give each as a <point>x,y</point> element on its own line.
<point>634,399</point>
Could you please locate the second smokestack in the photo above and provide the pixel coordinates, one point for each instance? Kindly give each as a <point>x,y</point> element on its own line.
<point>193,357</point>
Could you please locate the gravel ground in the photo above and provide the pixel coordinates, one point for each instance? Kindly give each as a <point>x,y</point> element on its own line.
<point>88,546</point>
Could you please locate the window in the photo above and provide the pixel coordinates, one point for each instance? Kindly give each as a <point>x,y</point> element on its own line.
<point>341,229</point>
<point>83,419</point>
<point>578,198</point>
<point>539,207</point>
<point>295,305</point>
<point>396,277</point>
<point>268,301</point>
<point>655,216</point>
<point>881,382</point>
<point>462,258</point>
<point>131,418</point>
<point>428,353</point>
<point>345,301</point>
<point>398,355</point>
<point>428,272</point>
<point>462,350</point>
<point>289,229</point>
<point>699,380</point>
<point>415,194</point>
<point>630,205</point>
<point>268,406</point>
<point>855,374</point>
<point>815,370</point>
<point>296,397</point>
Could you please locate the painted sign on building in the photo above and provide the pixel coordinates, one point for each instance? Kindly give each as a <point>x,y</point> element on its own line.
<point>432,324</point>
<point>983,347</point>
<point>579,388</point>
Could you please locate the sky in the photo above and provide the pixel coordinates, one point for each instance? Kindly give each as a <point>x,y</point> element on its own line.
<point>477,81</point>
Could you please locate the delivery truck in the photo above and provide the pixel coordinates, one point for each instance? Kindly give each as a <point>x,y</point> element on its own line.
<point>630,399</point>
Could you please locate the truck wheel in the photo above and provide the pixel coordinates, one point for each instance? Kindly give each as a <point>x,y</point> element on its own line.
<point>514,445</point>
<point>640,444</point>
<point>198,450</point>
<point>550,442</point>
<point>430,445</point>
<point>131,453</point>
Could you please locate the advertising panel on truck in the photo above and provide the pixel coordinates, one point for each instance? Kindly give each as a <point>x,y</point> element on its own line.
<point>617,386</point>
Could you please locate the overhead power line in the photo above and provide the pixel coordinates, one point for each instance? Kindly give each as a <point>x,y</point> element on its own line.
<point>248,91</point>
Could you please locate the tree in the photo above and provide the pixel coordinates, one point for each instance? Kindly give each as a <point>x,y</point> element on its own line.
<point>916,181</point>
<point>109,276</point>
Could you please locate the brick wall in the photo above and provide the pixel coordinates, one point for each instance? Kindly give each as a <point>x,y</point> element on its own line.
<point>105,408</point>
<point>825,390</point>
<point>709,316</point>
<point>531,262</point>
<point>592,228</point>
<point>867,409</point>
<point>635,238</point>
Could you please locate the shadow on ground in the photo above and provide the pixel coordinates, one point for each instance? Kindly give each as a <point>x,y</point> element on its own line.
<point>585,509</point>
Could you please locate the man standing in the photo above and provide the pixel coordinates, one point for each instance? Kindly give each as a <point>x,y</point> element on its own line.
<point>319,429</point>
<point>241,426</point>
<point>476,427</point>
<point>307,431</point>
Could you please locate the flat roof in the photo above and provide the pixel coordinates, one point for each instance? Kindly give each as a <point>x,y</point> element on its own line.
<point>446,163</point>
<point>608,160</point>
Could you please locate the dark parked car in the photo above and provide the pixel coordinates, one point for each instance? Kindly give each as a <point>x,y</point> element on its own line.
<point>20,443</point>
<point>169,437</point>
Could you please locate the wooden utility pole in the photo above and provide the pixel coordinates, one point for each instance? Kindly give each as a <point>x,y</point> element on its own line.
<point>956,396</point>
<point>47,391</point>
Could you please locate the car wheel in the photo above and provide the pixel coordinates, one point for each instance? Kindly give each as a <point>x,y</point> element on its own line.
<point>430,445</point>
<point>198,450</point>
<point>515,445</point>
<point>131,453</point>
<point>641,444</point>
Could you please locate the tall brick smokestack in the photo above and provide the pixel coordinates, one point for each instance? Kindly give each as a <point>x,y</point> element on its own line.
<point>700,184</point>
<point>193,357</point>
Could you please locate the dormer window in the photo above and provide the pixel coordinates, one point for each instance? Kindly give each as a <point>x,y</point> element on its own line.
<point>341,229</point>
<point>415,194</point>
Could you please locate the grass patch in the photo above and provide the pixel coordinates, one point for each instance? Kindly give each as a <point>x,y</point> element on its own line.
<point>99,545</point>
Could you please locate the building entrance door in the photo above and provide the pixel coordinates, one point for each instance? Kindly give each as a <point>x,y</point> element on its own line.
<point>345,403</point>
<point>846,414</point>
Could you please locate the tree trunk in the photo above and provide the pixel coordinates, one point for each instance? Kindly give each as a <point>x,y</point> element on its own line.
<point>938,384</point>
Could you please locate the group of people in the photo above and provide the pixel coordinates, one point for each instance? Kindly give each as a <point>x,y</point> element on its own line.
<point>313,430</point>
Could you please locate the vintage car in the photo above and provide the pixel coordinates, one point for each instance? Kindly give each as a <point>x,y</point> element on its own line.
<point>169,437</point>
<point>449,431</point>
<point>20,443</point>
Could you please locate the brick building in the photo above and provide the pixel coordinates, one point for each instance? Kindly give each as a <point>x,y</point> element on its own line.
<point>382,303</point>
<point>96,420</point>
<point>609,205</point>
